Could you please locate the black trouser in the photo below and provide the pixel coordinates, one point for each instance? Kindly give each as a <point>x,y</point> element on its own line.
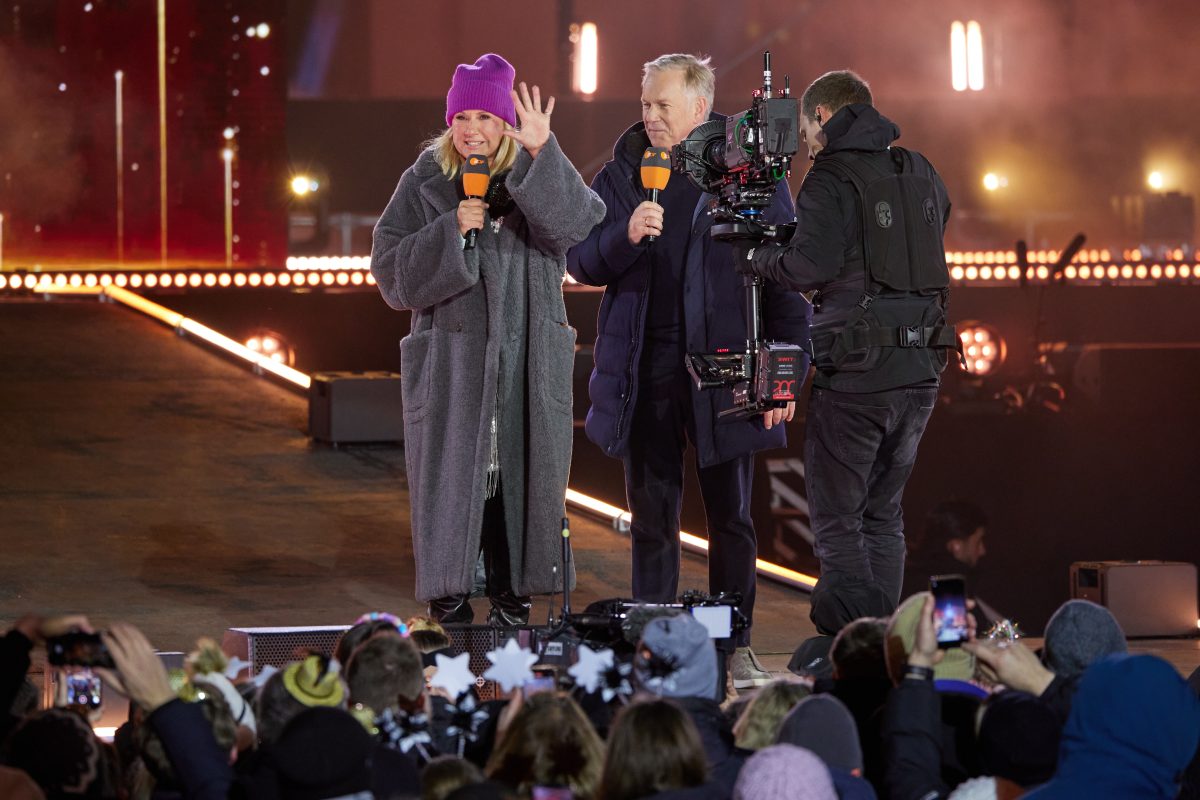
<point>859,450</point>
<point>661,426</point>
<point>493,544</point>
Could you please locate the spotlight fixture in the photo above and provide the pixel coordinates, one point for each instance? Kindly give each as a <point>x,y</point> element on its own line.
<point>983,347</point>
<point>271,345</point>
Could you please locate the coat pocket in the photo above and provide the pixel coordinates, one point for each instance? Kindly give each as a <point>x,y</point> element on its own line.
<point>416,356</point>
<point>559,363</point>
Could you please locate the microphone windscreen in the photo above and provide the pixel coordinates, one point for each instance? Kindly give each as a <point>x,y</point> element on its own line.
<point>476,174</point>
<point>656,168</point>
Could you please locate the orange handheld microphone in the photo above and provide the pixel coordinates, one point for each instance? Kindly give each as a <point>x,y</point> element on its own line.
<point>656,171</point>
<point>476,172</point>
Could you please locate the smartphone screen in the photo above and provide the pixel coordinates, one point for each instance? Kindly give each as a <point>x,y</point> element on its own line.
<point>83,689</point>
<point>949,609</point>
<point>543,680</point>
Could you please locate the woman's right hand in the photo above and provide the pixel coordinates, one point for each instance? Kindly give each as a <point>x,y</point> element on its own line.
<point>471,213</point>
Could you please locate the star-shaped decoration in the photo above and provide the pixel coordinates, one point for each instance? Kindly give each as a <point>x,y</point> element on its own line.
<point>465,719</point>
<point>510,665</point>
<point>617,682</point>
<point>236,667</point>
<point>453,674</point>
<point>589,670</point>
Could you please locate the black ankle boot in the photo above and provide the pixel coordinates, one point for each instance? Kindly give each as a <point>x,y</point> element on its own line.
<point>452,609</point>
<point>509,610</point>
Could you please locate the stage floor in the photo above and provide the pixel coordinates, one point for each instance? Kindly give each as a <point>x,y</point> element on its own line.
<point>146,479</point>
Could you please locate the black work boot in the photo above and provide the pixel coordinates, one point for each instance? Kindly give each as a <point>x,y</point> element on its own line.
<point>452,609</point>
<point>509,610</point>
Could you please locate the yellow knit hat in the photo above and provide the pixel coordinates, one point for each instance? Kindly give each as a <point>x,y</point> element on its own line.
<point>314,682</point>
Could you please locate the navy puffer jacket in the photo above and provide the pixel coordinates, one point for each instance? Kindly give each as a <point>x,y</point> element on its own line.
<point>713,312</point>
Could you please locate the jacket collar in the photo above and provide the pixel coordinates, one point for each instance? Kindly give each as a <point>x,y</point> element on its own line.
<point>435,188</point>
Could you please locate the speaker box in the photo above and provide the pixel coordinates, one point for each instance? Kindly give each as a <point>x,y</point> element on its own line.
<point>277,647</point>
<point>478,641</point>
<point>1148,598</point>
<point>355,407</point>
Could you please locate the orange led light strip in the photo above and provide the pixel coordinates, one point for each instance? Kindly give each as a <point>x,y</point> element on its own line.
<point>620,518</point>
<point>179,322</point>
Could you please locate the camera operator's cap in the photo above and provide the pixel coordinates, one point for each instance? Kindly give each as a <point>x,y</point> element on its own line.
<point>314,682</point>
<point>676,658</point>
<point>485,85</point>
<point>656,168</point>
<point>956,664</point>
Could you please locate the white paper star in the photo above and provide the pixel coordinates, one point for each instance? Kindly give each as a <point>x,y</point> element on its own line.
<point>588,671</point>
<point>236,667</point>
<point>453,674</point>
<point>510,665</point>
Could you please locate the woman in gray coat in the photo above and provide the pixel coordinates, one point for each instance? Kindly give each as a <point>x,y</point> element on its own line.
<point>488,364</point>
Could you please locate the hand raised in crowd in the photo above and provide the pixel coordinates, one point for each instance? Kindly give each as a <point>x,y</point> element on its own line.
<point>37,628</point>
<point>471,214</point>
<point>1011,664</point>
<point>140,674</point>
<point>925,651</point>
<point>777,416</point>
<point>533,124</point>
<point>646,220</point>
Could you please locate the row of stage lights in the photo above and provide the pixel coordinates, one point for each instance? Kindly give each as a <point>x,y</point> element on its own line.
<point>1079,272</point>
<point>353,271</point>
<point>184,280</point>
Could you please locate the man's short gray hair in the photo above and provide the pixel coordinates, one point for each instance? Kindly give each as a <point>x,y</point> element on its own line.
<point>699,80</point>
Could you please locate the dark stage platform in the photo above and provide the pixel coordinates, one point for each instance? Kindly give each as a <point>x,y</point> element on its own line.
<point>147,479</point>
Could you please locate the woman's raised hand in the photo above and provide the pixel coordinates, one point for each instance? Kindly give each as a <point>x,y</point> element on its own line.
<point>533,130</point>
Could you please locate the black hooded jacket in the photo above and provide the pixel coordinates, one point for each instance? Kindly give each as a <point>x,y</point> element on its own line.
<point>825,254</point>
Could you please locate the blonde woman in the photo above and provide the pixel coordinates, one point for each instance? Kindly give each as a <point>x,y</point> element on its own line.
<point>487,366</point>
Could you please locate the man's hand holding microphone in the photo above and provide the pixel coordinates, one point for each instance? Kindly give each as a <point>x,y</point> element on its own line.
<point>646,221</point>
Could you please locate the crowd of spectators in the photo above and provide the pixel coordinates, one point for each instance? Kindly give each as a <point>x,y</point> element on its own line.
<point>889,716</point>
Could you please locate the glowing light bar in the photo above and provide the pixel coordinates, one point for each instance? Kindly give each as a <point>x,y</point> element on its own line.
<point>621,519</point>
<point>587,51</point>
<point>328,262</point>
<point>958,56</point>
<point>974,57</point>
<point>180,322</point>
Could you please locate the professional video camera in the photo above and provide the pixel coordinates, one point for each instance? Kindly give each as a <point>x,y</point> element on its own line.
<point>740,161</point>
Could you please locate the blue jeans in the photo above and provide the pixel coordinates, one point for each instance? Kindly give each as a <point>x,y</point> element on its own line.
<point>859,450</point>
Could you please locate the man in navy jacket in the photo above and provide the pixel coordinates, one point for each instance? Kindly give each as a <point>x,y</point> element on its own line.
<point>663,298</point>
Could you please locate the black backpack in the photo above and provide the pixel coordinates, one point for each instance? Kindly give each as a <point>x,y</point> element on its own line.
<point>903,255</point>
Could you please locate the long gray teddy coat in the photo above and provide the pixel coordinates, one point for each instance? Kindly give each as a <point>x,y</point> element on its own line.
<point>485,321</point>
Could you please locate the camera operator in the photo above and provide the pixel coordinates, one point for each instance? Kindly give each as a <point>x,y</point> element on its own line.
<point>662,299</point>
<point>879,335</point>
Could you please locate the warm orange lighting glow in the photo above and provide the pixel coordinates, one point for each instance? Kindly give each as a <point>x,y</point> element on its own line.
<point>285,279</point>
<point>1155,180</point>
<point>255,279</point>
<point>224,279</point>
<point>210,280</point>
<point>194,280</point>
<point>958,56</point>
<point>974,56</point>
<point>269,279</point>
<point>983,346</point>
<point>239,279</point>
<point>587,56</point>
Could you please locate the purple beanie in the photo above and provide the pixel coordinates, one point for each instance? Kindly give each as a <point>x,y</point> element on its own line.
<point>484,85</point>
<point>784,772</point>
